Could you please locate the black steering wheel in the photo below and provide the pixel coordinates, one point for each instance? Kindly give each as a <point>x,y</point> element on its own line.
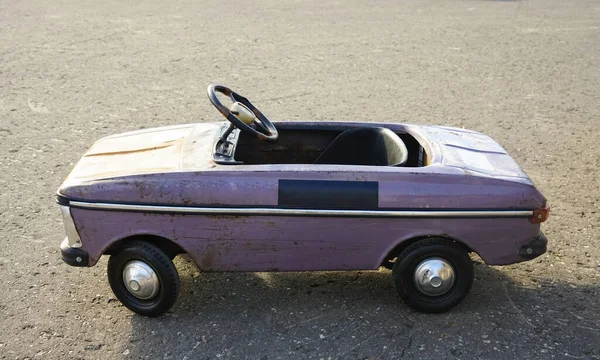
<point>263,129</point>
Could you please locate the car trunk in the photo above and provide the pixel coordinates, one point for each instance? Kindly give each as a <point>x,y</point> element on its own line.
<point>474,152</point>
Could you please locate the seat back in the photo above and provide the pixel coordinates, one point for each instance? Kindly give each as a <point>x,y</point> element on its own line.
<point>365,146</point>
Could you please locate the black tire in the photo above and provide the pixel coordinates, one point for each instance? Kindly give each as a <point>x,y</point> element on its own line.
<point>162,266</point>
<point>406,265</point>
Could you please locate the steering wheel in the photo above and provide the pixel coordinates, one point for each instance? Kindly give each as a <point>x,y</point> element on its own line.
<point>242,114</point>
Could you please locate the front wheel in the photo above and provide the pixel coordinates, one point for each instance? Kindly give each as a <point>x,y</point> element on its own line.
<point>433,275</point>
<point>144,279</point>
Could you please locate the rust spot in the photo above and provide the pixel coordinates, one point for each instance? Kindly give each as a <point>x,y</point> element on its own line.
<point>208,259</point>
<point>270,223</point>
<point>224,217</point>
<point>227,248</point>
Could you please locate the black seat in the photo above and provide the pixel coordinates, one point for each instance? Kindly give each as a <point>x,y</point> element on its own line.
<point>365,146</point>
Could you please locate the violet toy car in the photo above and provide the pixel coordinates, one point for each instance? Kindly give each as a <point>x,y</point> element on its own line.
<point>251,195</point>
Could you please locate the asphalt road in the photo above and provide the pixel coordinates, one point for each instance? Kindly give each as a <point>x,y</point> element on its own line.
<point>524,72</point>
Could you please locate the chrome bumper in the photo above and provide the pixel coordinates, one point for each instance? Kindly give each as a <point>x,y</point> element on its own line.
<point>70,229</point>
<point>70,248</point>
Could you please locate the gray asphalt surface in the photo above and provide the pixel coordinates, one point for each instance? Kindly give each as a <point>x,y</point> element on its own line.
<point>524,72</point>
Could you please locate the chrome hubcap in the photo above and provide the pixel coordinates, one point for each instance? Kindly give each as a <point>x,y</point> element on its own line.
<point>140,280</point>
<point>434,276</point>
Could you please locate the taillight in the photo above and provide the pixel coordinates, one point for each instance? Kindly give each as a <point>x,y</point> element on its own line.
<point>540,215</point>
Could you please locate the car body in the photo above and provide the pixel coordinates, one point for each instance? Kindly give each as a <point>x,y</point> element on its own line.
<point>254,205</point>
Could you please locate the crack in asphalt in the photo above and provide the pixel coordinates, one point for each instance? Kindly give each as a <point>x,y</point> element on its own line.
<point>410,341</point>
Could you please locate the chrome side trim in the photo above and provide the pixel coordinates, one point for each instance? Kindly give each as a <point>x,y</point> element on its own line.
<point>294,212</point>
<point>70,229</point>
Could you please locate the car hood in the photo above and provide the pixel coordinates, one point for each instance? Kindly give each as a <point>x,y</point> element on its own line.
<point>472,152</point>
<point>165,149</point>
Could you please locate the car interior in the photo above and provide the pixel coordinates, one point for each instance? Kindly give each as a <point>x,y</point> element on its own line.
<point>375,146</point>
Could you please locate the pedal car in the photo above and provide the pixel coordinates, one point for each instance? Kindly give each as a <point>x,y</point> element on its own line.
<point>252,195</point>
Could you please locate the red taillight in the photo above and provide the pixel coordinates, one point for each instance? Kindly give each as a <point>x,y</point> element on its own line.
<point>540,215</point>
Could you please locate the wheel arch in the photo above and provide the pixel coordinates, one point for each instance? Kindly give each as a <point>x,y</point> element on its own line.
<point>395,250</point>
<point>170,248</point>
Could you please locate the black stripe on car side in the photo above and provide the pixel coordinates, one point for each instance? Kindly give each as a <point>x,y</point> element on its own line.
<point>319,194</point>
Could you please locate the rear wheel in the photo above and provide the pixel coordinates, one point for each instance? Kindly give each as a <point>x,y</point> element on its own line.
<point>143,278</point>
<point>433,275</point>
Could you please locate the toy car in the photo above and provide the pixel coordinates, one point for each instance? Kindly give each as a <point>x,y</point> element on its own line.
<point>255,196</point>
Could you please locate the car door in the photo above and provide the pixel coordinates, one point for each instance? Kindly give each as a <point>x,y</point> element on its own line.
<point>306,217</point>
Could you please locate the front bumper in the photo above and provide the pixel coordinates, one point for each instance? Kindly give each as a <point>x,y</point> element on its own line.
<point>534,247</point>
<point>73,256</point>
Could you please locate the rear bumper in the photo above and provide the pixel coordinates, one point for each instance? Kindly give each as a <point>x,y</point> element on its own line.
<point>73,256</point>
<point>534,247</point>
